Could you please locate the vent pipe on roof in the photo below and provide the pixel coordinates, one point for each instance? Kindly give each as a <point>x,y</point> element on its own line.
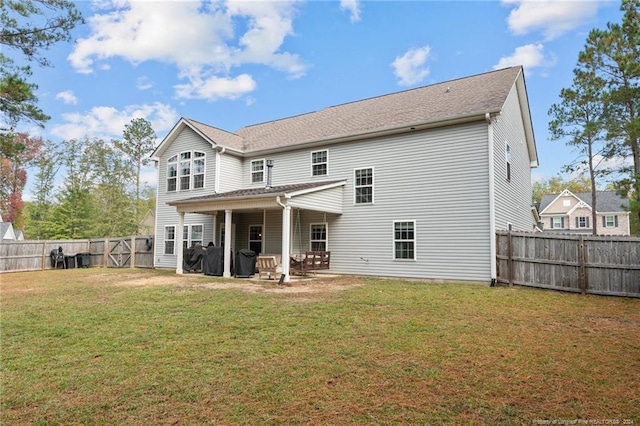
<point>269,173</point>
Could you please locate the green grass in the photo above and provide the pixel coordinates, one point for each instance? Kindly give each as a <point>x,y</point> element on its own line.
<point>89,347</point>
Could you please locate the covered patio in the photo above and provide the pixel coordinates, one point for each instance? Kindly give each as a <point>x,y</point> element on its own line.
<point>317,199</point>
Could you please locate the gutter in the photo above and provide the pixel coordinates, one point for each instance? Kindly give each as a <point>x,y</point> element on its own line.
<point>492,202</point>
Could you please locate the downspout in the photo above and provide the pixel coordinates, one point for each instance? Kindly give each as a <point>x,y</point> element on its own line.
<point>286,238</point>
<point>216,184</point>
<point>492,202</point>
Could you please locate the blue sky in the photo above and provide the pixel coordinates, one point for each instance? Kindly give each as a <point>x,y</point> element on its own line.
<point>234,63</point>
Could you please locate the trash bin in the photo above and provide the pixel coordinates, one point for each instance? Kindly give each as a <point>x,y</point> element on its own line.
<point>83,260</point>
<point>70,261</point>
<point>245,263</point>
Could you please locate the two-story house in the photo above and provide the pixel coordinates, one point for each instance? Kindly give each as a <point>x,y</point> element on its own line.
<point>409,184</point>
<point>572,213</point>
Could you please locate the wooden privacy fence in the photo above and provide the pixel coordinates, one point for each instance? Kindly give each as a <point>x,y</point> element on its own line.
<point>584,264</point>
<point>134,252</point>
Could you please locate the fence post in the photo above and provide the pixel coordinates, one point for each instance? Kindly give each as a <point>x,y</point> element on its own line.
<point>105,257</point>
<point>583,274</point>
<point>44,255</point>
<point>510,259</point>
<point>132,262</point>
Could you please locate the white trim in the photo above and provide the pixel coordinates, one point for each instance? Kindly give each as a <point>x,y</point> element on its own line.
<point>311,163</point>
<point>326,231</point>
<point>492,200</point>
<point>314,189</point>
<point>373,186</point>
<point>580,205</point>
<point>414,240</point>
<point>264,170</point>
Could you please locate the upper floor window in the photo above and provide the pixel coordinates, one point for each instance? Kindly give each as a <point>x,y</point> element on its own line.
<point>610,221</point>
<point>257,171</point>
<point>189,167</point>
<point>319,163</point>
<point>404,240</point>
<point>363,186</point>
<point>318,237</point>
<point>507,153</point>
<point>582,222</point>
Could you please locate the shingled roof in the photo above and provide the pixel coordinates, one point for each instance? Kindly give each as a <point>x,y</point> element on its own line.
<point>607,201</point>
<point>452,100</point>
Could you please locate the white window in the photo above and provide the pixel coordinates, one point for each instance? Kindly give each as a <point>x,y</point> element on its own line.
<point>169,239</point>
<point>582,222</point>
<point>319,163</point>
<point>507,152</point>
<point>198,170</point>
<point>404,240</point>
<point>255,238</point>
<point>192,235</point>
<point>257,171</point>
<point>610,221</point>
<point>172,173</point>
<point>363,186</point>
<point>557,222</point>
<point>190,168</point>
<point>318,237</point>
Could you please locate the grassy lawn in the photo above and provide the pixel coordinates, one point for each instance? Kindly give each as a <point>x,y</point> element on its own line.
<point>106,347</point>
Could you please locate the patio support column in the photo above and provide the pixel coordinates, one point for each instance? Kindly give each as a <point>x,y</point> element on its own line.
<point>179,249</point>
<point>227,243</point>
<point>286,239</point>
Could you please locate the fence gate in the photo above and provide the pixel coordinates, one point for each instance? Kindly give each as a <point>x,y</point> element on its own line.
<point>120,254</point>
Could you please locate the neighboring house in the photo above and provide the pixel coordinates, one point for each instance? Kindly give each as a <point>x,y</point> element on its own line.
<point>572,213</point>
<point>6,232</point>
<point>410,184</point>
<point>19,235</point>
<point>148,223</point>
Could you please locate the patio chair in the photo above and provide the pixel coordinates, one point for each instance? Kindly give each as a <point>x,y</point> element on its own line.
<point>57,258</point>
<point>268,266</point>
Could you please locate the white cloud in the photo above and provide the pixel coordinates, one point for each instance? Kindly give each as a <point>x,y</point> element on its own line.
<point>144,83</point>
<point>411,68</point>
<point>530,56</point>
<point>67,97</point>
<point>108,122</point>
<point>199,38</point>
<point>213,88</point>
<point>353,7</point>
<point>551,17</point>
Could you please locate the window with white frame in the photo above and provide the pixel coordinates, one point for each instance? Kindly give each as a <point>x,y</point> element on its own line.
<point>255,238</point>
<point>557,222</point>
<point>318,237</point>
<point>363,186</point>
<point>404,240</point>
<point>172,173</point>
<point>582,222</point>
<point>257,171</point>
<point>198,169</point>
<point>189,167</point>
<point>319,163</point>
<point>610,221</point>
<point>507,153</point>
<point>192,235</point>
<point>169,239</point>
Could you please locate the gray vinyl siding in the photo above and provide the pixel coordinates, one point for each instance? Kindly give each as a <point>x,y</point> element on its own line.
<point>165,214</point>
<point>231,173</point>
<point>330,200</point>
<point>512,198</point>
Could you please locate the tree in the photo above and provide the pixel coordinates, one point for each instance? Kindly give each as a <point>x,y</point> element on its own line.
<point>29,27</point>
<point>138,142</point>
<point>579,119</point>
<point>614,54</point>
<point>38,213</point>
<point>16,153</point>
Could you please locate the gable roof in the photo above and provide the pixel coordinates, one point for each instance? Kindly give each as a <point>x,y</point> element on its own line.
<point>455,101</point>
<point>608,201</point>
<point>6,231</point>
